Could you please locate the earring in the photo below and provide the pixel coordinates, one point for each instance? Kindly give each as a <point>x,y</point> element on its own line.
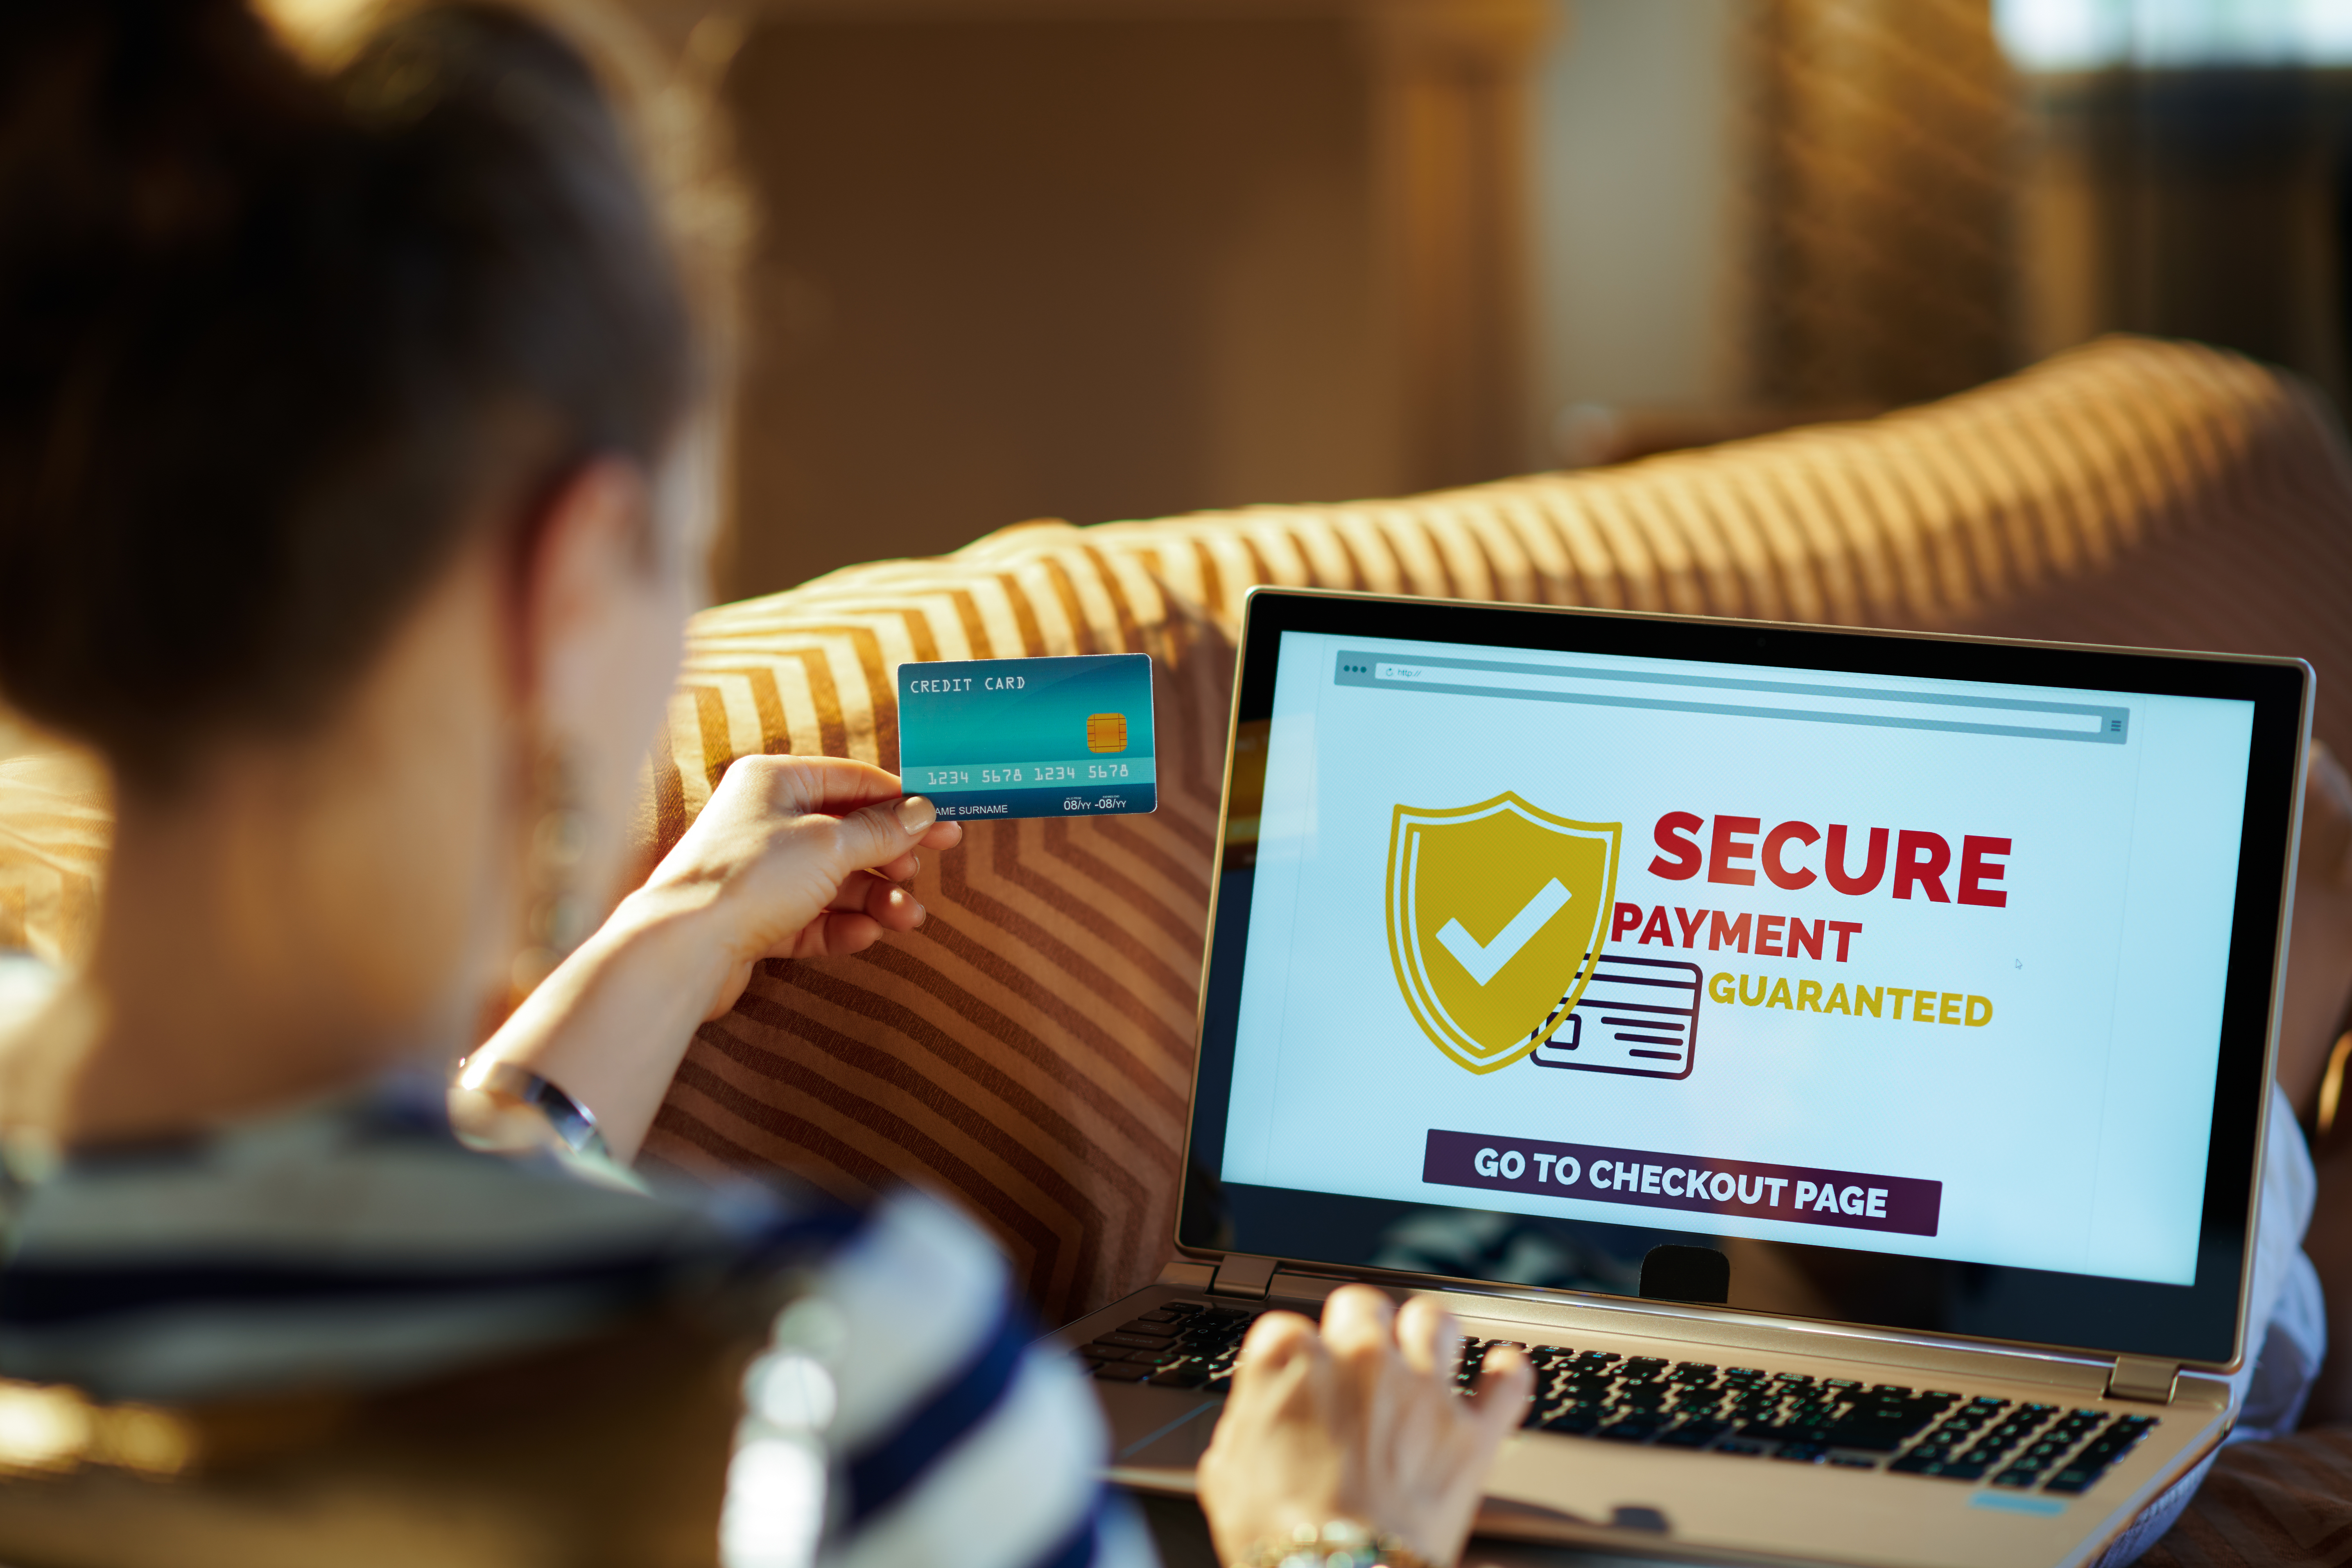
<point>558,914</point>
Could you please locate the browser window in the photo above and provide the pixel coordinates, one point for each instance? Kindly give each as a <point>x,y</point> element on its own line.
<point>1868,962</point>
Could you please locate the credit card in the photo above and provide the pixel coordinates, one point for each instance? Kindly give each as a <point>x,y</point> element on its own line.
<point>1029,737</point>
<point>1637,1016</point>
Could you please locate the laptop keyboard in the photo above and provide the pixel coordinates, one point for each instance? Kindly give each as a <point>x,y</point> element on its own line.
<point>1745,1411</point>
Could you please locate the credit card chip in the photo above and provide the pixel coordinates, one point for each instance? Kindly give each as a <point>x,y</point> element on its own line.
<point>1105,731</point>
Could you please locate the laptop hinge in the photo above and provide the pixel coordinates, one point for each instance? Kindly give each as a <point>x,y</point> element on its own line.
<point>2144,1378</point>
<point>1239,1276</point>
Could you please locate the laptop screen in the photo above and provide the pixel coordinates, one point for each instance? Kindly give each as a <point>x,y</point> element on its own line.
<point>1859,958</point>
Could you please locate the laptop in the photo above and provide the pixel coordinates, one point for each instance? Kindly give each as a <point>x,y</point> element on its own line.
<point>1840,1057</point>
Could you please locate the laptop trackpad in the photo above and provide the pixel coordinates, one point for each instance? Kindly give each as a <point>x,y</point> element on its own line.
<point>1159,1429</point>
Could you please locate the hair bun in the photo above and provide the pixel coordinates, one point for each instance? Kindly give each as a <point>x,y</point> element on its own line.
<point>267,337</point>
<point>152,120</point>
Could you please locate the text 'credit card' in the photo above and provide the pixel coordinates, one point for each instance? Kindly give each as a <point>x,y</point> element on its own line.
<point>1029,737</point>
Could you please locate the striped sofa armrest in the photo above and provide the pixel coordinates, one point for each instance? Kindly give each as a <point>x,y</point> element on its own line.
<point>2270,1504</point>
<point>1030,1050</point>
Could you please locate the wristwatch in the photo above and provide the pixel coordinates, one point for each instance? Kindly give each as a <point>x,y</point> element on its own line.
<point>1340,1543</point>
<point>573,1125</point>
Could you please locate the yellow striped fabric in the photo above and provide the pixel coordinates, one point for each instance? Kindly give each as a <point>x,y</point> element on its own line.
<point>1029,1051</point>
<point>55,827</point>
<point>2271,1504</point>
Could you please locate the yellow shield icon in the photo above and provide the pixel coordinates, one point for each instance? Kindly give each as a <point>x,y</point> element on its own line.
<point>1496,913</point>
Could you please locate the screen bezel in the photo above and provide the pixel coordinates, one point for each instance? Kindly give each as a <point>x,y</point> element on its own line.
<point>2198,1323</point>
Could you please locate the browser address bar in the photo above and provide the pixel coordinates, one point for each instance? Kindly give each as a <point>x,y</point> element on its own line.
<point>1780,704</point>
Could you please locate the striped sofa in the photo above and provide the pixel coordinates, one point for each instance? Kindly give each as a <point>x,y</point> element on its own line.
<point>1030,1050</point>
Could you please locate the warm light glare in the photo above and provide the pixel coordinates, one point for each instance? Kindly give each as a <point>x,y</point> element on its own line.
<point>2087,34</point>
<point>54,1429</point>
<point>2331,1085</point>
<point>147,1441</point>
<point>42,1429</point>
<point>315,26</point>
<point>775,1504</point>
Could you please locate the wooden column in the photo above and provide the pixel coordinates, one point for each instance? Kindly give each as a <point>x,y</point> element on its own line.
<point>1096,258</point>
<point>1451,134</point>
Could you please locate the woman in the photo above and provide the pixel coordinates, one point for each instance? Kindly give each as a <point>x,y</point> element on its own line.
<point>344,508</point>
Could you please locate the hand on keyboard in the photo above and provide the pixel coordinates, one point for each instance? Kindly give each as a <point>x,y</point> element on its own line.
<point>1743,1412</point>
<point>1360,1421</point>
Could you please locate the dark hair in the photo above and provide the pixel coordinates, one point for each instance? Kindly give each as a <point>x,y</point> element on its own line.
<point>270,339</point>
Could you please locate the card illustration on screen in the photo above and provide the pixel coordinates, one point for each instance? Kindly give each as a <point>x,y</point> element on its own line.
<point>1013,738</point>
<point>1636,1015</point>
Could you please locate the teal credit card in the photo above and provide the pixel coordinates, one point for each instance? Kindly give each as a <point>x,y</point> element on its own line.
<point>1029,737</point>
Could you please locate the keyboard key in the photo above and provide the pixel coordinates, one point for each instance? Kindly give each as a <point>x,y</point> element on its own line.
<point>1632,1429</point>
<point>1697,1433</point>
<point>2083,1471</point>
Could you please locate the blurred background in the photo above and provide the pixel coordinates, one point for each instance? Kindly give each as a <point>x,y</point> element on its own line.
<point>1112,258</point>
<point>1107,258</point>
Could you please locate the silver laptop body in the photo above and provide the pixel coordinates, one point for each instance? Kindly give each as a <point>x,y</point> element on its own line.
<point>1841,1058</point>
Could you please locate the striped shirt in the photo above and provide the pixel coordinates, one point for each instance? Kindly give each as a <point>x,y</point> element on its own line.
<point>900,1414</point>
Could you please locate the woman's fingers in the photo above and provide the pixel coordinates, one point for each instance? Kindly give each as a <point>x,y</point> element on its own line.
<point>910,866</point>
<point>895,908</point>
<point>859,889</point>
<point>1357,1320</point>
<point>864,909</point>
<point>835,935</point>
<point>798,857</point>
<point>1279,1366</point>
<point>1506,1378</point>
<point>834,785</point>
<point>1273,1342</point>
<point>1360,1421</point>
<point>875,836</point>
<point>1428,1338</point>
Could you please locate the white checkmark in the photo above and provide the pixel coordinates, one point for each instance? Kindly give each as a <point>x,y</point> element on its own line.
<point>1484,963</point>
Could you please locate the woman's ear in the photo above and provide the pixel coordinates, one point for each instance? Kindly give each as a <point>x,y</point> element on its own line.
<point>584,564</point>
<point>602,620</point>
